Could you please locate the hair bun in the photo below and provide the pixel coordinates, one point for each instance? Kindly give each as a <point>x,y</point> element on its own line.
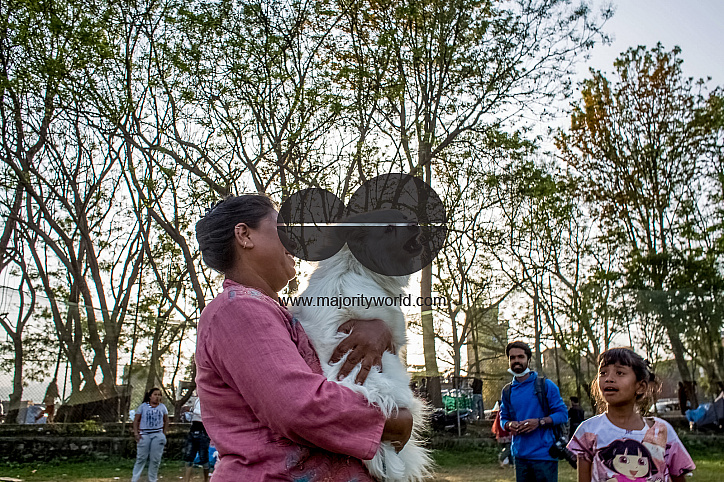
<point>211,207</point>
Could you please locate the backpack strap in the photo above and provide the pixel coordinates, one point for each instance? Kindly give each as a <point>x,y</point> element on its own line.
<point>542,393</point>
<point>508,405</point>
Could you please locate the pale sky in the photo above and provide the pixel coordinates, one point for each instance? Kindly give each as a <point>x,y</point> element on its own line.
<point>694,25</point>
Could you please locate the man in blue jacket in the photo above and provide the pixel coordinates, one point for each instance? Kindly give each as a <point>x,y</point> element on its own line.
<point>521,414</point>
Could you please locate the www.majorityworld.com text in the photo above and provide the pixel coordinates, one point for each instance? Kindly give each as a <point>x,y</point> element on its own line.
<point>362,301</point>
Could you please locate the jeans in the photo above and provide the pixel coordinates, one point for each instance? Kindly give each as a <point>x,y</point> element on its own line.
<point>536,470</point>
<point>478,406</point>
<point>197,443</point>
<point>149,447</point>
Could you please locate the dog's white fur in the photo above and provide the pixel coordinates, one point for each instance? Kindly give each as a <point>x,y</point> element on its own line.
<point>343,275</point>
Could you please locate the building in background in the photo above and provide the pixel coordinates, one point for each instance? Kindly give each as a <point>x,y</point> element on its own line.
<point>486,352</point>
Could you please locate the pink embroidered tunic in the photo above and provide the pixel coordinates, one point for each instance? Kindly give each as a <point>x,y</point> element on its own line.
<point>267,406</point>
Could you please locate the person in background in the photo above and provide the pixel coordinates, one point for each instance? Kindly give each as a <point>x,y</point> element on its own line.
<point>503,438</point>
<point>213,456</point>
<point>620,444</point>
<point>197,443</point>
<point>477,386</point>
<point>150,424</point>
<point>423,389</point>
<point>522,414</point>
<point>34,413</point>
<point>575,415</point>
<point>49,401</point>
<point>683,399</point>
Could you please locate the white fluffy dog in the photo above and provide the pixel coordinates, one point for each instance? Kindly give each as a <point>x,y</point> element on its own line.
<point>343,275</point>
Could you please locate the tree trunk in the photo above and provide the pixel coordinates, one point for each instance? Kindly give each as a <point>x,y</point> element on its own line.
<point>555,358</point>
<point>428,339</point>
<point>154,365</point>
<point>677,347</point>
<point>537,323</point>
<point>426,318</point>
<point>17,395</point>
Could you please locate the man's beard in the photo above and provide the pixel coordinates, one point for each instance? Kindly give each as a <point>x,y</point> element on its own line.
<point>518,368</point>
<point>523,371</point>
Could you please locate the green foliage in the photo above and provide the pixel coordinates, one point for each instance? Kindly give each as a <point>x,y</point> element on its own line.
<point>91,426</point>
<point>645,147</point>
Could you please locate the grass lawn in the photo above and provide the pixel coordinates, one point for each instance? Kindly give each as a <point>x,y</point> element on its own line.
<point>453,466</point>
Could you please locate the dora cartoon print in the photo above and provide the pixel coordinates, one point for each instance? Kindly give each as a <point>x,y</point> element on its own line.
<point>630,460</point>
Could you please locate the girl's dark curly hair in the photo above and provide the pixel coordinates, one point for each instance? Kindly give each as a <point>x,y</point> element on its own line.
<point>629,358</point>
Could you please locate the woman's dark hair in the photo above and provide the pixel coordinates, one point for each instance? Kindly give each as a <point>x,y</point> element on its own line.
<point>147,396</point>
<point>628,447</point>
<point>215,231</point>
<point>628,358</point>
<point>520,345</point>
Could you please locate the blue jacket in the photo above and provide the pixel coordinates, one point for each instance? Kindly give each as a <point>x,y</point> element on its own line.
<point>533,445</point>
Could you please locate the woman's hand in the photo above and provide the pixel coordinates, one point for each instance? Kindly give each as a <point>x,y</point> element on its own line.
<point>398,429</point>
<point>367,341</point>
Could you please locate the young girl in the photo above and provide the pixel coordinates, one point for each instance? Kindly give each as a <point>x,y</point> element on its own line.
<point>149,426</point>
<point>620,445</point>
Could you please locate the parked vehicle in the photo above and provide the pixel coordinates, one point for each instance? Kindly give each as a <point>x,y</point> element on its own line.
<point>665,405</point>
<point>447,421</point>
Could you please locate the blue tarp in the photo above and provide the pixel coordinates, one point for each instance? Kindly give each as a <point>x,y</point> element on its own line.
<point>713,413</point>
<point>213,455</point>
<point>695,414</point>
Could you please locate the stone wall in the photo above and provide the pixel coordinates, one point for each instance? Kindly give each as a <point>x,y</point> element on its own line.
<point>24,443</point>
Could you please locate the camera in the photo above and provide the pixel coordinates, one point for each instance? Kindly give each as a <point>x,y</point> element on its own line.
<point>559,451</point>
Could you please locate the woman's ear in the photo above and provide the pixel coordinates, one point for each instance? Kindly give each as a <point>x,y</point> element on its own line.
<point>241,234</point>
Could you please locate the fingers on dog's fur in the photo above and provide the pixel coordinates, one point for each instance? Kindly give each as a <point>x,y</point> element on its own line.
<point>363,372</point>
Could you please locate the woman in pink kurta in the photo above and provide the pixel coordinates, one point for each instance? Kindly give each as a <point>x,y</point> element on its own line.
<point>267,405</point>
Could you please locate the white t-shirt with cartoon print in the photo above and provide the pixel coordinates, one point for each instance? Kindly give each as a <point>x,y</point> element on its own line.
<point>652,454</point>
